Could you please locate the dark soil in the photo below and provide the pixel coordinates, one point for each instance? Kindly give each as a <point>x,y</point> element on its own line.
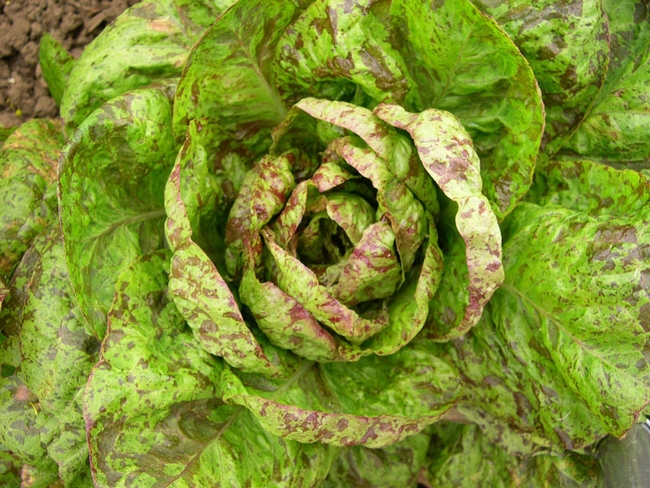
<point>74,23</point>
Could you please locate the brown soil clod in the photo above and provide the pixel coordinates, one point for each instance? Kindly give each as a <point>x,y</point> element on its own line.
<point>23,92</point>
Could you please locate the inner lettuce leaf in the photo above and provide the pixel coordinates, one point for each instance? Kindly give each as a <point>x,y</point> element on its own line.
<point>148,42</point>
<point>112,176</point>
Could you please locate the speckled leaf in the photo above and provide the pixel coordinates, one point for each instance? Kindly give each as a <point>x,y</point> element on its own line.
<point>57,355</point>
<point>455,168</point>
<point>514,391</point>
<point>10,468</point>
<point>5,132</point>
<point>337,47</point>
<point>202,295</point>
<point>28,162</point>
<point>590,303</point>
<point>463,63</point>
<point>111,182</point>
<point>228,77</point>
<point>153,411</point>
<point>617,129</point>
<point>147,43</point>
<point>375,402</point>
<point>460,456</point>
<point>567,46</point>
<point>395,466</point>
<point>56,64</point>
<point>20,433</point>
<point>591,188</point>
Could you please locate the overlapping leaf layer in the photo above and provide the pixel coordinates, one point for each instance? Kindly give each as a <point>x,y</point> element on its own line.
<point>330,243</point>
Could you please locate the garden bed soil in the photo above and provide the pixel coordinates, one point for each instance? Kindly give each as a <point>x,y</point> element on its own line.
<point>74,23</point>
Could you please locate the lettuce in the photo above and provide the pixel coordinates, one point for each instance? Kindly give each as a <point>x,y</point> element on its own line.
<point>330,243</point>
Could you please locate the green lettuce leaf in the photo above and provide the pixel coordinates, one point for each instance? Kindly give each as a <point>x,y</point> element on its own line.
<point>616,130</point>
<point>149,42</point>
<point>596,335</point>
<point>111,181</point>
<point>461,456</point>
<point>346,404</point>
<point>395,466</point>
<point>54,356</point>
<point>28,163</point>
<point>56,63</point>
<point>202,295</point>
<point>422,57</point>
<point>153,407</point>
<point>567,46</point>
<point>228,77</point>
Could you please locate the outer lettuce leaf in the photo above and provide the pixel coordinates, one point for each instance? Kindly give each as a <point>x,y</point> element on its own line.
<point>348,404</point>
<point>515,393</point>
<point>149,42</point>
<point>591,188</point>
<point>567,45</point>
<point>395,466</point>
<point>228,77</point>
<point>51,359</point>
<point>111,182</point>
<point>57,355</point>
<point>616,130</point>
<point>56,64</point>
<point>571,317</point>
<point>28,162</point>
<point>454,166</point>
<point>338,47</point>
<point>153,411</point>
<point>461,456</point>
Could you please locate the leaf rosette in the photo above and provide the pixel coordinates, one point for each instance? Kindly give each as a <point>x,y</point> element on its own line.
<point>331,247</point>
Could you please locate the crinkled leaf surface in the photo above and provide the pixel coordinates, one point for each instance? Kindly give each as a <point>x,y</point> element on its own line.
<point>463,63</point>
<point>515,393</point>
<point>149,42</point>
<point>55,356</point>
<point>111,182</point>
<point>352,403</point>
<point>567,46</point>
<point>448,157</point>
<point>448,56</point>
<point>28,162</point>
<point>201,294</point>
<point>228,77</point>
<point>461,456</point>
<point>153,410</point>
<point>616,130</point>
<point>589,303</point>
<point>56,64</point>
<point>395,466</point>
